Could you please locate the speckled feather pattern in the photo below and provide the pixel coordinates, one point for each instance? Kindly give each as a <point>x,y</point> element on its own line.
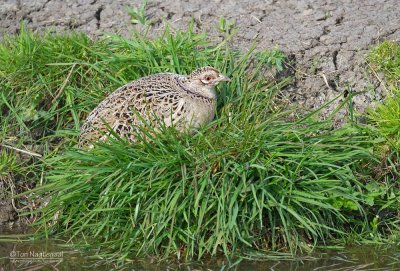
<point>184,102</point>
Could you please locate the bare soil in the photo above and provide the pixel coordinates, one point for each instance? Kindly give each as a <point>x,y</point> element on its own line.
<point>326,40</point>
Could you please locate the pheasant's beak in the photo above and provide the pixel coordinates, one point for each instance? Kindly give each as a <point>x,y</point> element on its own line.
<point>222,78</point>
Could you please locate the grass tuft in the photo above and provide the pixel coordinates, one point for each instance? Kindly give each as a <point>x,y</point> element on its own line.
<point>385,58</point>
<point>248,182</point>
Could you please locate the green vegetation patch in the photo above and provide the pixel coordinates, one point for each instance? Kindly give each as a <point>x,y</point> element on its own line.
<point>247,182</point>
<point>385,58</point>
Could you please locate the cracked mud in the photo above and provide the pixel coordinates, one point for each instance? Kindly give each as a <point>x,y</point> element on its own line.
<point>326,40</point>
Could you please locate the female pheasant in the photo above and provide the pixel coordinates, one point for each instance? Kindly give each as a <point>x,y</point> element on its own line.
<point>184,102</point>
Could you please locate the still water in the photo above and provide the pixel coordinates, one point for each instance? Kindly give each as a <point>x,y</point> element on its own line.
<point>52,255</point>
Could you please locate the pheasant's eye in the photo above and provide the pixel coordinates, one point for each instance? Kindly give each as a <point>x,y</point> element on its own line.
<point>207,79</point>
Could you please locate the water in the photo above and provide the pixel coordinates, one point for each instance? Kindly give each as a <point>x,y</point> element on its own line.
<point>53,255</point>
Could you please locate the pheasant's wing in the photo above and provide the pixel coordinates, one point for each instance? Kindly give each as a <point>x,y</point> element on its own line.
<point>107,114</point>
<point>168,107</point>
<point>151,100</point>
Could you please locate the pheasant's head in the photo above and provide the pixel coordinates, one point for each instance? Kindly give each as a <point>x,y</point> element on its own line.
<point>202,81</point>
<point>207,76</point>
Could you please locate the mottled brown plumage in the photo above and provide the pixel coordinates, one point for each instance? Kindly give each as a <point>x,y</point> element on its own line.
<point>184,102</point>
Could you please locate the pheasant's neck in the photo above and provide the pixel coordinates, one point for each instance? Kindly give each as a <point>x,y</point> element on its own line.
<point>198,92</point>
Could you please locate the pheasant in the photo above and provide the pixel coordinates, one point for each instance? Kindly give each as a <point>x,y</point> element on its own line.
<point>185,102</point>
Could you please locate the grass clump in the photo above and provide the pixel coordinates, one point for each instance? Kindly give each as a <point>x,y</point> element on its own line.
<point>387,118</point>
<point>272,58</point>
<point>249,181</point>
<point>385,58</point>
<point>43,86</point>
<point>137,14</point>
<point>47,86</point>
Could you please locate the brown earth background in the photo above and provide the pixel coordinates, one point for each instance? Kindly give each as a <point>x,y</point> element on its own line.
<point>326,41</point>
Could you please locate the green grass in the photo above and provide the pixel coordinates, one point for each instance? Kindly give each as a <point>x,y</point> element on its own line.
<point>249,183</point>
<point>137,14</point>
<point>385,58</point>
<point>257,179</point>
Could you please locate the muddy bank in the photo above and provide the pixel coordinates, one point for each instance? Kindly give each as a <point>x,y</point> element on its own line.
<point>326,41</point>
